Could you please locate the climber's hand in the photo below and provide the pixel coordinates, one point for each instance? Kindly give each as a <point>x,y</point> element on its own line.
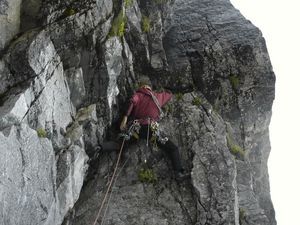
<point>123,124</point>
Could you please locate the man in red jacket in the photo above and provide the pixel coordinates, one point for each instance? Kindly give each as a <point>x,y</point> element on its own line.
<point>145,109</point>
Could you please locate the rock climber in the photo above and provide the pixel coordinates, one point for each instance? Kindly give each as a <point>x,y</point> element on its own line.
<point>145,110</point>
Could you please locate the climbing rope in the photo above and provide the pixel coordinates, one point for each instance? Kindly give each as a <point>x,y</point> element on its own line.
<point>148,133</point>
<point>134,127</point>
<point>111,182</point>
<point>104,214</point>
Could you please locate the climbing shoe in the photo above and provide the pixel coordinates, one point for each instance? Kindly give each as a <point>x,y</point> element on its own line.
<point>98,148</point>
<point>97,151</point>
<point>181,175</point>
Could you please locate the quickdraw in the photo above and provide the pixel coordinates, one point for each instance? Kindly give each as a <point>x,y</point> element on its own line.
<point>156,133</point>
<point>133,130</point>
<point>153,126</point>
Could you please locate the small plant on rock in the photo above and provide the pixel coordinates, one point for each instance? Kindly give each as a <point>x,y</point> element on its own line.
<point>41,133</point>
<point>179,96</point>
<point>128,3</point>
<point>234,148</point>
<point>146,24</point>
<point>242,215</point>
<point>196,101</point>
<point>147,176</point>
<point>69,12</point>
<point>234,81</point>
<point>118,25</point>
<point>136,86</point>
<point>169,108</point>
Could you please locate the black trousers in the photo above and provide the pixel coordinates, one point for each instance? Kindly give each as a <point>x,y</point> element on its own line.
<point>169,147</point>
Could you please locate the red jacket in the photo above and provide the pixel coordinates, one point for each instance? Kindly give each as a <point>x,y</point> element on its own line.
<point>143,107</point>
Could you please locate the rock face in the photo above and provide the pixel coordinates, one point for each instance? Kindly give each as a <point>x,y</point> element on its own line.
<point>10,20</point>
<point>67,69</point>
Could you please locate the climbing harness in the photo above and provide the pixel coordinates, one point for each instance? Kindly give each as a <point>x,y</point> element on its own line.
<point>133,130</point>
<point>153,126</point>
<point>157,133</point>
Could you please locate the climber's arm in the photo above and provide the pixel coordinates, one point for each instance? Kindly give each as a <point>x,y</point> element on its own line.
<point>123,123</point>
<point>133,102</point>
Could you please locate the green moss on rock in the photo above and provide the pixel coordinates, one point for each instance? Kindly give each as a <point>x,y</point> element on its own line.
<point>196,101</point>
<point>118,25</point>
<point>179,96</point>
<point>234,81</point>
<point>234,148</point>
<point>146,24</point>
<point>242,215</point>
<point>128,3</point>
<point>69,12</point>
<point>41,133</point>
<point>147,176</point>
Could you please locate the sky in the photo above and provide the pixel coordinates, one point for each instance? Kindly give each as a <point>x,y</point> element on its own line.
<point>279,22</point>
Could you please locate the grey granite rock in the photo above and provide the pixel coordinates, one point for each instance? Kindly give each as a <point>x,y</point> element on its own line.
<point>9,20</point>
<point>113,61</point>
<point>224,54</point>
<point>76,85</point>
<point>41,108</point>
<point>27,186</point>
<point>64,86</point>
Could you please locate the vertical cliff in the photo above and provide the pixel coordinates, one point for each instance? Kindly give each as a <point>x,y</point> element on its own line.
<point>67,69</point>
